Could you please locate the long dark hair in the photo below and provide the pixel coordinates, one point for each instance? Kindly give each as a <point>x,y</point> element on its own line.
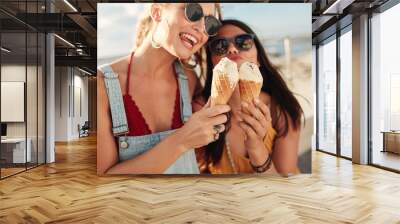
<point>282,98</point>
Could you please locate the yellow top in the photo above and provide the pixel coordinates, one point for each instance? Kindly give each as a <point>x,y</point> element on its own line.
<point>242,163</point>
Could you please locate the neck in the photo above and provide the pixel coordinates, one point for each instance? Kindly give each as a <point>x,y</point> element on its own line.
<point>154,62</point>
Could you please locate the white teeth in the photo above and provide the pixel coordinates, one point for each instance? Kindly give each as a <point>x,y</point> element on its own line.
<point>190,37</point>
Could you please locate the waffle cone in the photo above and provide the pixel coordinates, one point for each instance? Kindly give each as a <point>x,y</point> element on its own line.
<point>221,89</point>
<point>249,89</point>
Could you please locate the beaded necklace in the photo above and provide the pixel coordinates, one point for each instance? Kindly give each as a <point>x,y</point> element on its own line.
<point>228,149</point>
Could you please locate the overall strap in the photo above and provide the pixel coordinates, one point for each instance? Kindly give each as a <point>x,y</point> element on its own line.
<point>186,105</point>
<point>118,116</point>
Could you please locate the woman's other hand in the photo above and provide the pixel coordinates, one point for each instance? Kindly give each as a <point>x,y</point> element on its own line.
<point>255,121</point>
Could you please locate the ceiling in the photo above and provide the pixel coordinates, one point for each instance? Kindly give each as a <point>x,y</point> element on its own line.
<point>330,15</point>
<point>75,21</point>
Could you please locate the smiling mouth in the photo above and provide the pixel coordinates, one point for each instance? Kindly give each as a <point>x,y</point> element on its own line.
<point>188,40</point>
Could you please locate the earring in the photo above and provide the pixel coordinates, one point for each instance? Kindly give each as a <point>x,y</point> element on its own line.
<point>154,44</point>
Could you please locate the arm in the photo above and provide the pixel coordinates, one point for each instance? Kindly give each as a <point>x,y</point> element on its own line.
<point>196,132</point>
<point>197,104</point>
<point>286,148</point>
<point>257,120</point>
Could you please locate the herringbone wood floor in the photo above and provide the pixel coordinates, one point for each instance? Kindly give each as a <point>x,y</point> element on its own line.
<point>70,192</point>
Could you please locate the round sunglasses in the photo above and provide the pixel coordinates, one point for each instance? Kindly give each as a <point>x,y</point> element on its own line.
<point>242,42</point>
<point>194,13</point>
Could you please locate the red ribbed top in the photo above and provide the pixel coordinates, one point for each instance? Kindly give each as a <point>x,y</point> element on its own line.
<point>136,123</point>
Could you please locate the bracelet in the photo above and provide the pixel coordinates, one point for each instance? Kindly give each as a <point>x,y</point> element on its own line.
<point>264,167</point>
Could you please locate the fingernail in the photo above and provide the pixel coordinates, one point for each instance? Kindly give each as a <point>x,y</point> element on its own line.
<point>244,104</point>
<point>256,100</point>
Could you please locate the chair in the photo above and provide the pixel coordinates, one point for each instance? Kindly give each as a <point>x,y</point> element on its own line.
<point>84,130</point>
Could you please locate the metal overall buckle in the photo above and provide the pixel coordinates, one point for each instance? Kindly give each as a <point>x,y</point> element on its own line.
<point>123,140</point>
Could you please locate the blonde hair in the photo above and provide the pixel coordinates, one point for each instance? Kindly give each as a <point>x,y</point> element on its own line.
<point>145,25</point>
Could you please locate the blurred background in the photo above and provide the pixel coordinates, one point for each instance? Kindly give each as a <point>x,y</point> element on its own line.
<point>51,46</point>
<point>284,30</point>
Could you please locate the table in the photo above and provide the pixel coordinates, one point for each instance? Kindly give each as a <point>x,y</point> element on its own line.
<point>13,150</point>
<point>391,141</point>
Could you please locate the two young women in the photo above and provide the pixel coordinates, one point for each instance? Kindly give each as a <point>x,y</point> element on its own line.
<point>145,120</point>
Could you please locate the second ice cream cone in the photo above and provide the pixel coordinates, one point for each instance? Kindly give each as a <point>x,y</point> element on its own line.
<point>250,81</point>
<point>249,89</point>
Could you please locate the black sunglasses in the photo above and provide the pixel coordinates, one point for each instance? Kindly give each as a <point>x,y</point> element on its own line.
<point>242,42</point>
<point>194,13</point>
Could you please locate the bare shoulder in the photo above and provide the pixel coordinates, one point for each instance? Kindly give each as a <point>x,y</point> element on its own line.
<point>120,67</point>
<point>281,120</point>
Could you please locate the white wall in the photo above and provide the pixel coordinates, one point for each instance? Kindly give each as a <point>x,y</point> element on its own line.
<point>69,85</point>
<point>80,83</point>
<point>33,126</point>
<point>61,103</point>
<point>17,73</point>
<point>14,73</point>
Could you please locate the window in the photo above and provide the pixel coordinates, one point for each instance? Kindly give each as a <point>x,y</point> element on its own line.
<point>327,96</point>
<point>22,76</point>
<point>394,101</point>
<point>346,93</point>
<point>385,89</point>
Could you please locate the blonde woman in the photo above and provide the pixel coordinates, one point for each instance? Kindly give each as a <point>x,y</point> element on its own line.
<point>145,121</point>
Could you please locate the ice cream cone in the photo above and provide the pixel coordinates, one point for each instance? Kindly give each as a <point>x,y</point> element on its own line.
<point>250,81</point>
<point>225,79</point>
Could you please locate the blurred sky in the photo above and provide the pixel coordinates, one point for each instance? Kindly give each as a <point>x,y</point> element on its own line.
<point>117,22</point>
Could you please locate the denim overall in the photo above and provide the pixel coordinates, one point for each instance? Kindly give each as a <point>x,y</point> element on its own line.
<point>132,146</point>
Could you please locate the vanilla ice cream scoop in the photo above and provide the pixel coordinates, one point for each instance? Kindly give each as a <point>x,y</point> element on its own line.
<point>250,71</point>
<point>225,79</point>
